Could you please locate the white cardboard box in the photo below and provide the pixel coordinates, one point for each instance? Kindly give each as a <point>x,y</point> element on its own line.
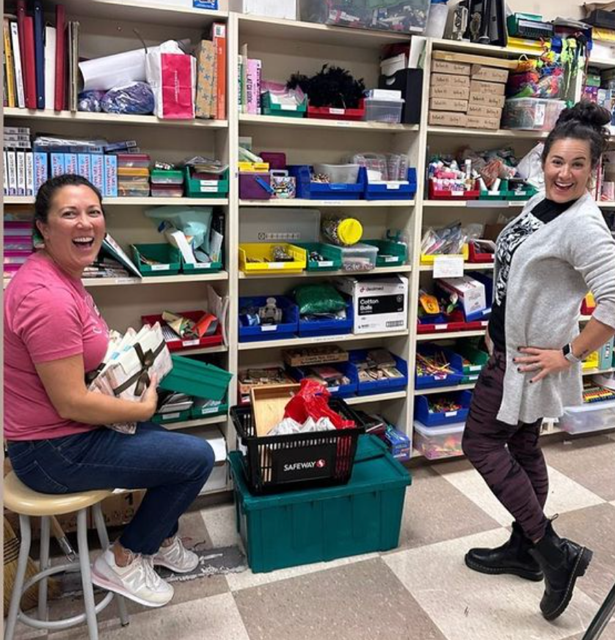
<point>471,292</point>
<point>283,9</point>
<point>379,304</point>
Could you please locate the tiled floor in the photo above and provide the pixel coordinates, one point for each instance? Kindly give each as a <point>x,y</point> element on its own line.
<point>421,591</point>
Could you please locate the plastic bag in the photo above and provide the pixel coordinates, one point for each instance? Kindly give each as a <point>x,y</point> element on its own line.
<point>194,222</point>
<point>133,98</point>
<point>530,167</point>
<point>311,401</point>
<point>289,426</point>
<point>313,299</point>
<point>90,101</point>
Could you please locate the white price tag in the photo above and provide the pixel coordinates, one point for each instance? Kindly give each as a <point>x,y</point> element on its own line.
<point>206,189</point>
<point>325,263</point>
<point>450,414</point>
<point>288,107</point>
<point>276,265</point>
<point>191,343</point>
<point>170,416</point>
<point>457,194</point>
<point>269,327</point>
<point>448,267</point>
<point>161,267</point>
<point>393,185</point>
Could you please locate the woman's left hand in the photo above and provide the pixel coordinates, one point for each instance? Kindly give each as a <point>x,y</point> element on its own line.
<point>542,361</point>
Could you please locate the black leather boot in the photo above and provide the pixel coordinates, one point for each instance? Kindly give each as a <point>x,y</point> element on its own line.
<point>512,557</point>
<point>562,562</point>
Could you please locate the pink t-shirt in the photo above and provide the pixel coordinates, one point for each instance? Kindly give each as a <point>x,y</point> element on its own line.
<point>48,315</point>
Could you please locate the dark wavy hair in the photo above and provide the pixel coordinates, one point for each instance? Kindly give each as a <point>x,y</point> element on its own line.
<point>584,121</point>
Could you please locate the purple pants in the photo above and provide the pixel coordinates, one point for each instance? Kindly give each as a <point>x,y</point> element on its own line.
<point>508,457</point>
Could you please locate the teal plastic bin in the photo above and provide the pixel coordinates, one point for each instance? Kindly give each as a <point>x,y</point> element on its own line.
<point>196,378</point>
<point>302,527</point>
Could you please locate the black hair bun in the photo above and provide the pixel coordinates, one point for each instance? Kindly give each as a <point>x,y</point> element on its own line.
<point>588,113</point>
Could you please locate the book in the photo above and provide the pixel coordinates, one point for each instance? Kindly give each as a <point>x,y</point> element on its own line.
<point>110,177</point>
<point>5,173</point>
<point>50,62</point>
<point>205,80</point>
<point>41,169</point>
<point>60,63</point>
<point>112,248</point>
<point>21,172</point>
<point>57,164</point>
<point>10,67</point>
<point>84,165</point>
<point>39,53</point>
<point>253,86</point>
<point>19,83</point>
<point>219,40</point>
<point>20,10</point>
<point>11,161</point>
<point>98,171</point>
<point>30,174</point>
<point>29,57</point>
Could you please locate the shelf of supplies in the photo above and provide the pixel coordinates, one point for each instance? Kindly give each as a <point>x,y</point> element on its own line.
<point>594,372</point>
<point>221,348</point>
<point>110,282</point>
<point>607,204</point>
<point>199,422</point>
<point>347,204</point>
<point>321,123</point>
<point>473,204</point>
<point>450,335</point>
<point>406,268</point>
<point>482,49</point>
<point>272,28</point>
<point>109,118</point>
<point>135,202</point>
<point>602,63</point>
<point>297,342</point>
<point>453,387</point>
<point>377,397</point>
<point>487,266</point>
<point>487,133</point>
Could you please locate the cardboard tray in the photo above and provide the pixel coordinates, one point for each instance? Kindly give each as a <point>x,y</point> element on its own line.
<point>268,404</point>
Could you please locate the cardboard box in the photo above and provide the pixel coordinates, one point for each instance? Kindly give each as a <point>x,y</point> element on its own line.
<point>492,88</point>
<point>282,9</point>
<point>450,93</point>
<point>120,508</point>
<point>447,119</point>
<point>380,304</point>
<point>471,293</point>
<point>481,111</point>
<point>479,122</point>
<point>485,61</point>
<point>455,68</point>
<point>448,104</point>
<point>487,99</point>
<point>489,74</point>
<point>446,80</point>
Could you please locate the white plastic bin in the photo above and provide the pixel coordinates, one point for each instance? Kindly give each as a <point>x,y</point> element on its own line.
<point>339,173</point>
<point>383,110</point>
<point>595,416</point>
<point>436,443</point>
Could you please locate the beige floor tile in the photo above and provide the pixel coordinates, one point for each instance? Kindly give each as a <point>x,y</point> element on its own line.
<point>587,461</point>
<point>213,618</point>
<point>467,605</point>
<point>221,526</point>
<point>361,601</point>
<point>435,510</point>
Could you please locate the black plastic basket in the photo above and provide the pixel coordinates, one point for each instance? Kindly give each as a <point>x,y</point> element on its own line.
<point>273,464</point>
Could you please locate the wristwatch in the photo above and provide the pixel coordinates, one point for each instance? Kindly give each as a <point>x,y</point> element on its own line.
<point>569,355</point>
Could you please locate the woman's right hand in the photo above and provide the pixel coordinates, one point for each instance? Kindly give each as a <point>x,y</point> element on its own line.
<point>149,399</point>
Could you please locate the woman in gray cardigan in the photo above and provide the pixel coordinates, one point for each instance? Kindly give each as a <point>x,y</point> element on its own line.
<point>547,259</point>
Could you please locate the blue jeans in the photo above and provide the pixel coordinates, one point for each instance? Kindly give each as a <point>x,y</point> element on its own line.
<point>172,466</point>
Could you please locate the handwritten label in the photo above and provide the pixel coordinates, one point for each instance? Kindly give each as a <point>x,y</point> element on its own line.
<point>448,267</point>
<point>391,259</point>
<point>325,263</point>
<point>160,267</point>
<point>441,327</point>
<point>203,265</point>
<point>191,343</point>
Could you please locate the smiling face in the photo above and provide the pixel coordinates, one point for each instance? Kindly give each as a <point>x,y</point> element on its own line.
<point>75,228</point>
<point>567,169</point>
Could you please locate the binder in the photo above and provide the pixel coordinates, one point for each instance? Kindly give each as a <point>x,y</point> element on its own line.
<point>73,64</point>
<point>50,62</point>
<point>60,66</point>
<point>10,68</point>
<point>219,40</point>
<point>12,165</point>
<point>39,53</point>
<point>5,173</point>
<point>41,169</point>
<point>30,174</point>
<point>20,10</point>
<point>21,173</point>
<point>19,87</point>
<point>30,71</point>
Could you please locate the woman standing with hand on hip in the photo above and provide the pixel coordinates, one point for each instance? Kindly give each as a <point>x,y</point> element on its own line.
<point>547,259</point>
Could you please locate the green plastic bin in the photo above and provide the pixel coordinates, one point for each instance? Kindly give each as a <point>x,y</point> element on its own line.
<point>196,378</point>
<point>196,188</point>
<point>302,527</point>
<point>271,109</point>
<point>168,257</point>
<point>390,254</point>
<point>200,268</point>
<point>176,416</point>
<point>207,412</point>
<point>477,360</point>
<point>332,256</point>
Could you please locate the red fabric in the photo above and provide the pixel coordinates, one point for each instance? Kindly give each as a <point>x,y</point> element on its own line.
<point>177,91</point>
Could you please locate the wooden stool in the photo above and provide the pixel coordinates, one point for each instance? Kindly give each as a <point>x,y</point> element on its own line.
<point>26,502</point>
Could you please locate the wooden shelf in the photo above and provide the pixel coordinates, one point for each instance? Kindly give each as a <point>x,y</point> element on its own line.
<point>109,118</point>
<point>486,266</point>
<point>482,49</point>
<point>321,123</point>
<point>451,335</point>
<point>297,342</point>
<point>606,204</point>
<point>220,348</point>
<point>199,422</point>
<point>473,204</point>
<point>487,133</point>
<point>160,280</point>
<point>453,387</point>
<point>321,204</point>
<point>377,397</point>
<point>327,274</point>
<point>135,202</point>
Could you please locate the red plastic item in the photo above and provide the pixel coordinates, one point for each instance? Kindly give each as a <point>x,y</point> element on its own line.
<point>179,344</point>
<point>587,309</point>
<point>331,113</point>
<point>447,194</point>
<point>443,327</point>
<point>275,159</point>
<point>478,257</point>
<point>311,401</point>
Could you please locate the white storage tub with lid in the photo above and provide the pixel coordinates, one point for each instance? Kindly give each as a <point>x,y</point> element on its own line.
<point>594,416</point>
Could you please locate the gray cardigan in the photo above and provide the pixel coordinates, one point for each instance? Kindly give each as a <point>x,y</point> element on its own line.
<point>550,274</point>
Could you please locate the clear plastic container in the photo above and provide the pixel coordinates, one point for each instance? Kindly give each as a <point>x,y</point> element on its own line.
<point>536,114</point>
<point>339,173</point>
<point>158,176</point>
<point>359,257</point>
<point>595,416</point>
<point>167,191</point>
<point>438,442</point>
<point>133,160</point>
<point>436,23</point>
<point>132,191</point>
<point>383,110</point>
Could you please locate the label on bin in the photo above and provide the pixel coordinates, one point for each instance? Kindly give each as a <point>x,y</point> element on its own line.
<point>191,343</point>
<point>304,463</point>
<point>325,263</point>
<point>160,267</point>
<point>450,414</point>
<point>170,416</point>
<point>202,265</point>
<point>336,112</point>
<point>276,265</point>
<point>334,389</point>
<point>269,327</point>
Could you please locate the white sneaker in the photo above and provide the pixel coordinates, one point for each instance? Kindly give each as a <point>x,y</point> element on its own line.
<point>176,557</point>
<point>137,581</point>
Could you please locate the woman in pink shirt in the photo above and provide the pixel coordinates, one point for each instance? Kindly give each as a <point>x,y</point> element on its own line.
<point>53,336</point>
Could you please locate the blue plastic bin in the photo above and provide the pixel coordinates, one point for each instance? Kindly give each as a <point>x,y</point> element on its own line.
<point>421,409</point>
<point>342,391</point>
<point>326,327</point>
<point>323,190</point>
<point>390,191</point>
<point>380,386</point>
<point>286,329</point>
<point>442,379</point>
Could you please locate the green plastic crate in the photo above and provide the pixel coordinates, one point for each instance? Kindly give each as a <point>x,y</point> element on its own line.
<point>271,109</point>
<point>332,256</point>
<point>199,412</point>
<point>477,359</point>
<point>196,378</point>
<point>168,257</point>
<point>302,527</point>
<point>195,188</point>
<point>390,254</point>
<point>176,416</point>
<point>201,267</point>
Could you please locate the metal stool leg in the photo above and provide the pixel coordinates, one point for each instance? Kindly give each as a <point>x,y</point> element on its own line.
<point>104,543</point>
<point>86,576</point>
<point>602,618</point>
<point>44,564</point>
<point>22,564</point>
